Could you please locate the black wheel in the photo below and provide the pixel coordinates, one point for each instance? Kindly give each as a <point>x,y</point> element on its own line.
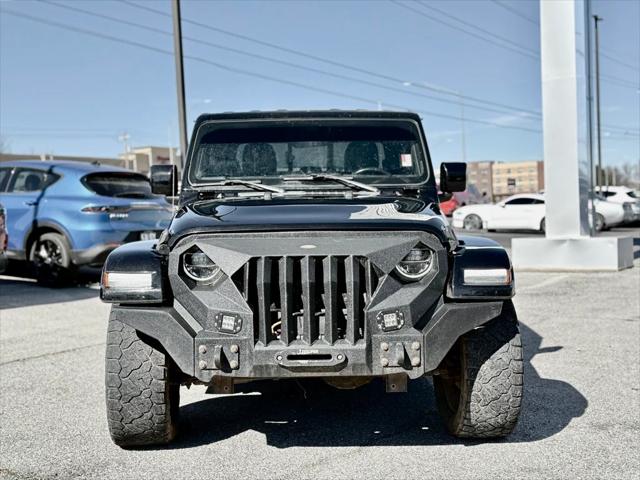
<point>543,225</point>
<point>50,257</point>
<point>142,401</point>
<point>479,392</point>
<point>472,222</point>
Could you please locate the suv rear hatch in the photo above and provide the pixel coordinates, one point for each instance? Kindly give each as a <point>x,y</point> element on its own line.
<point>131,205</point>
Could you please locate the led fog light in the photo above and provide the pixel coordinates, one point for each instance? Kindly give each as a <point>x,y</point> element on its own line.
<point>227,323</point>
<point>388,321</point>
<point>496,276</point>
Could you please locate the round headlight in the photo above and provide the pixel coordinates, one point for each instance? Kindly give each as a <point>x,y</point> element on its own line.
<point>199,267</point>
<point>416,264</point>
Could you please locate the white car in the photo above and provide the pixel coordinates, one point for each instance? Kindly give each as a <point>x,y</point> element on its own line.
<point>526,211</point>
<point>622,195</point>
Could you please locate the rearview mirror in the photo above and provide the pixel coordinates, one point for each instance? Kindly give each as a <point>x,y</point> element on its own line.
<point>164,180</point>
<point>453,177</point>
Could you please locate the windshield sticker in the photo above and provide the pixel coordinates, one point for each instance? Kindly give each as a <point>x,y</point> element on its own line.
<point>405,160</point>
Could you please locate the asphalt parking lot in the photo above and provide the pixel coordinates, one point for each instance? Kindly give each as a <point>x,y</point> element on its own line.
<point>581,416</point>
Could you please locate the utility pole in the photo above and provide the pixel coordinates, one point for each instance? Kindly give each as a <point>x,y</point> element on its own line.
<point>124,138</point>
<point>597,19</point>
<point>177,50</point>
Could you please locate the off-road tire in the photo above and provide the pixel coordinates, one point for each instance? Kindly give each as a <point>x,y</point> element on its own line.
<point>480,391</point>
<point>142,403</point>
<point>60,272</point>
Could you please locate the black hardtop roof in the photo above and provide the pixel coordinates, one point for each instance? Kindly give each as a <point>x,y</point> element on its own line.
<point>302,114</point>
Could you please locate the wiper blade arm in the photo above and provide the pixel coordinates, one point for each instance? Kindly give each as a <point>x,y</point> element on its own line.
<point>244,183</point>
<point>320,177</point>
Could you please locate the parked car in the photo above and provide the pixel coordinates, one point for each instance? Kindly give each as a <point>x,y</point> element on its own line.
<point>63,214</point>
<point>4,238</point>
<point>470,196</point>
<point>622,195</point>
<point>307,245</point>
<point>448,206</point>
<point>526,211</point>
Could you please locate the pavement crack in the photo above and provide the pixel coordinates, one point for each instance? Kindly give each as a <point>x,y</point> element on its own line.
<point>50,354</point>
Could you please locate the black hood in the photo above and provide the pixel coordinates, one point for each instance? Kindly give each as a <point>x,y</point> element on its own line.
<point>296,214</point>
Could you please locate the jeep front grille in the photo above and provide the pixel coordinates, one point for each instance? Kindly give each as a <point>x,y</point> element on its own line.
<point>307,298</point>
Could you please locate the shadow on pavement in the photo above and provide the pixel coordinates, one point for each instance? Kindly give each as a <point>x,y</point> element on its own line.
<point>24,292</point>
<point>311,414</point>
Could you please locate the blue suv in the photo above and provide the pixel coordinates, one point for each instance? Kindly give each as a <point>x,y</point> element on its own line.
<point>63,214</point>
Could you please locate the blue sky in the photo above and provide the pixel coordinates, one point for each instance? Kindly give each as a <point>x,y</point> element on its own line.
<point>68,92</point>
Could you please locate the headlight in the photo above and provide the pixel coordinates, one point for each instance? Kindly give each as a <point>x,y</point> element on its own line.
<point>197,266</point>
<point>416,264</point>
<point>131,287</point>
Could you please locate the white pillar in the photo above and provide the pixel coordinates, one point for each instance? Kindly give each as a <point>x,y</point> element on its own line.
<point>565,119</point>
<point>565,116</point>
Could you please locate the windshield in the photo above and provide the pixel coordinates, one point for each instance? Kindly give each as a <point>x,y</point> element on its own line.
<point>380,152</point>
<point>119,184</point>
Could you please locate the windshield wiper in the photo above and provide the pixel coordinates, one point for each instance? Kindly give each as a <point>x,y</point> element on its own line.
<point>321,177</point>
<point>245,183</point>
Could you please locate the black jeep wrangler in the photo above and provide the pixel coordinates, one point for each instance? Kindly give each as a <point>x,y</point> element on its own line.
<point>310,244</point>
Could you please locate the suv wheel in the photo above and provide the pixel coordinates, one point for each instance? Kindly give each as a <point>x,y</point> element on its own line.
<point>480,391</point>
<point>142,402</point>
<point>472,222</point>
<point>50,256</point>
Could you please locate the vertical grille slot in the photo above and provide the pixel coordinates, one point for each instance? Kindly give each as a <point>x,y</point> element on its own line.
<point>263,277</point>
<point>330,280</point>
<point>310,322</point>
<point>353,298</point>
<point>288,324</point>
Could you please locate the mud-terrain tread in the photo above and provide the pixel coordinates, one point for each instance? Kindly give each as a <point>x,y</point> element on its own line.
<point>492,380</point>
<point>141,403</point>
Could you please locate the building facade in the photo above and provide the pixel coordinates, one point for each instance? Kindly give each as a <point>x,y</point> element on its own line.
<point>480,175</point>
<point>141,159</point>
<point>510,178</point>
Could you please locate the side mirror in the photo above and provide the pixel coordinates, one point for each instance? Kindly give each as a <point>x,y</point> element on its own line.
<point>164,180</point>
<point>444,196</point>
<point>453,177</point>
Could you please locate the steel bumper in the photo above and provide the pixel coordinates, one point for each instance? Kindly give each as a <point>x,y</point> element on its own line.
<point>205,354</point>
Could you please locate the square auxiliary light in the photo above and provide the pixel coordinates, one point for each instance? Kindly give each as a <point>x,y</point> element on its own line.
<point>226,323</point>
<point>388,321</point>
<point>493,276</point>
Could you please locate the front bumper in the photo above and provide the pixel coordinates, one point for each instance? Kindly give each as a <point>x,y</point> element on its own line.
<point>204,355</point>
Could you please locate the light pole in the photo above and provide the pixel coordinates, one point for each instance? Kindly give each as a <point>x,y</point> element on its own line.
<point>597,19</point>
<point>177,50</point>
